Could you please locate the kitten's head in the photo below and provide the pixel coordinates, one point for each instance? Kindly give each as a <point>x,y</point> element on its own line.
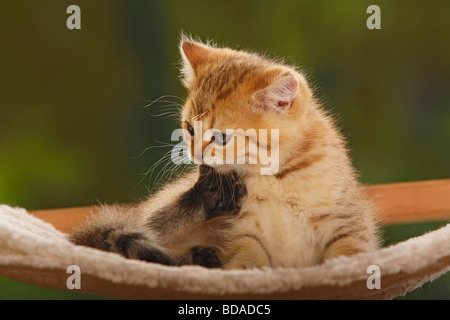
<point>233,90</point>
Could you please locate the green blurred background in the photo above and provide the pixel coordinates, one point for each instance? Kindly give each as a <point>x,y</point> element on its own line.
<point>72,118</point>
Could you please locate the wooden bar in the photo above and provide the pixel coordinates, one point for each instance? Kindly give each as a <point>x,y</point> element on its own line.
<point>407,202</point>
<point>413,201</point>
<point>64,219</point>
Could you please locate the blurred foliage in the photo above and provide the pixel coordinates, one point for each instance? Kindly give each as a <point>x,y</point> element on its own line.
<point>73,126</point>
<point>13,290</point>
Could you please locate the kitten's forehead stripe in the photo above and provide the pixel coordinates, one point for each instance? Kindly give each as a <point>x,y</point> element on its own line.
<point>224,79</point>
<point>218,80</point>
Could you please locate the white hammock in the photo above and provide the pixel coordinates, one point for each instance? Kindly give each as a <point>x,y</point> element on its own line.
<point>33,251</point>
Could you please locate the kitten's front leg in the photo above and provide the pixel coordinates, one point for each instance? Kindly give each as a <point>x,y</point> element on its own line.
<point>346,244</point>
<point>213,195</point>
<point>246,251</point>
<point>344,237</point>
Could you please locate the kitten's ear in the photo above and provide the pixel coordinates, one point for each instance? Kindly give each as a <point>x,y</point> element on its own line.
<point>193,54</point>
<point>280,94</point>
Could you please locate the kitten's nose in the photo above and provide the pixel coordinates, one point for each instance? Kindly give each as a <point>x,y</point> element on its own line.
<point>196,156</point>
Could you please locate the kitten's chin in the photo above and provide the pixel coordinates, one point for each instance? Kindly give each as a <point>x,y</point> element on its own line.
<point>225,168</point>
<point>242,170</point>
<point>220,168</point>
<point>245,169</point>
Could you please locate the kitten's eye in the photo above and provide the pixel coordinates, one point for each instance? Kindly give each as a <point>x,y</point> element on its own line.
<point>221,138</point>
<point>190,129</point>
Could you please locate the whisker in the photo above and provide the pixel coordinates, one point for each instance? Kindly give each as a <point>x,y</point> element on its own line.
<point>160,98</point>
<point>163,172</point>
<point>195,118</point>
<point>146,149</point>
<point>154,166</point>
<point>230,182</point>
<point>170,105</point>
<point>162,145</point>
<point>165,111</point>
<point>181,167</point>
<point>165,115</point>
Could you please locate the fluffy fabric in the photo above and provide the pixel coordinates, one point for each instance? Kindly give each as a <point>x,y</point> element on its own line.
<point>33,251</point>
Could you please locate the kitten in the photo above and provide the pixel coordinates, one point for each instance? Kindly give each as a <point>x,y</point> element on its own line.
<point>310,209</point>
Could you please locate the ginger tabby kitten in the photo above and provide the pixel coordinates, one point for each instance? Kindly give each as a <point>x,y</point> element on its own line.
<point>308,209</point>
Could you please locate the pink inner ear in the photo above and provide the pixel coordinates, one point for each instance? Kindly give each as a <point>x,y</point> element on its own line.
<point>292,90</point>
<point>283,104</point>
<point>279,95</point>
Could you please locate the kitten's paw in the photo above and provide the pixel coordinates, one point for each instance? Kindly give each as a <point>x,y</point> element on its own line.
<point>225,201</point>
<point>221,192</point>
<point>206,257</point>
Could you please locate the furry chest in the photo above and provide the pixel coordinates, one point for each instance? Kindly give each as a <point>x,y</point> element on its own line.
<point>282,231</point>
